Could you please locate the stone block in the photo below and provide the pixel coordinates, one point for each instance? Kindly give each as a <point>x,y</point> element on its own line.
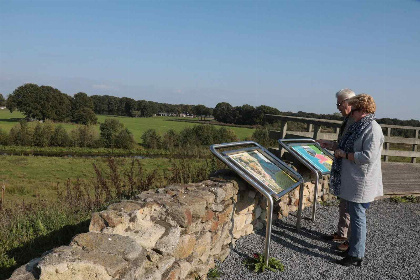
<point>97,224</point>
<point>170,239</point>
<point>185,247</point>
<point>185,269</point>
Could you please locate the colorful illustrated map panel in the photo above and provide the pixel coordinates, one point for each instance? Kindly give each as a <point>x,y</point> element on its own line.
<point>314,156</point>
<point>264,170</point>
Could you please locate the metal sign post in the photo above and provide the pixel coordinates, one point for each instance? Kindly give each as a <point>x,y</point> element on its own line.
<point>264,171</point>
<point>317,159</point>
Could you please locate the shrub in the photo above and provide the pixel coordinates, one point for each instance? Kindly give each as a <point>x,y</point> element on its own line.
<point>109,132</point>
<point>125,140</point>
<point>261,136</point>
<point>4,137</point>
<point>205,134</point>
<point>60,138</point>
<point>38,138</point>
<point>170,139</point>
<point>151,139</point>
<point>187,138</point>
<point>85,116</point>
<point>21,134</point>
<point>226,135</point>
<point>84,136</point>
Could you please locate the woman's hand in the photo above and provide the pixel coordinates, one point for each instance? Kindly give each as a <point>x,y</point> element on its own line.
<point>339,153</point>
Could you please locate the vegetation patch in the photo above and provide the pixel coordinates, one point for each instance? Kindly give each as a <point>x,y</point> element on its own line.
<point>405,199</point>
<point>257,264</point>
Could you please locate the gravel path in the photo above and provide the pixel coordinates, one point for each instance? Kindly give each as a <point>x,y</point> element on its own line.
<point>392,246</point>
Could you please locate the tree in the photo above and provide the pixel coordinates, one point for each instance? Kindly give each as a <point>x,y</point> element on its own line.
<point>109,132</point>
<point>40,102</point>
<point>223,112</point>
<point>4,137</point>
<point>244,114</point>
<point>60,137</point>
<point>151,139</point>
<point>85,116</point>
<point>125,139</point>
<point>82,109</point>
<point>2,100</point>
<point>84,136</point>
<point>170,139</point>
<point>201,110</point>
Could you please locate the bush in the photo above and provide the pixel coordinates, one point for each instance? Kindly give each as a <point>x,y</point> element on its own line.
<point>170,140</point>
<point>85,116</point>
<point>261,136</point>
<point>20,134</point>
<point>109,132</point>
<point>226,135</point>
<point>60,138</point>
<point>125,140</point>
<point>38,138</point>
<point>4,137</point>
<point>84,136</point>
<point>205,134</point>
<point>151,139</point>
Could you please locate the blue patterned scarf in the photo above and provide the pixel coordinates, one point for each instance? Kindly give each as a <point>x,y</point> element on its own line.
<point>347,145</point>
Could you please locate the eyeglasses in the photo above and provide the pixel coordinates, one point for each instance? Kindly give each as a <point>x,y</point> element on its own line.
<point>339,104</point>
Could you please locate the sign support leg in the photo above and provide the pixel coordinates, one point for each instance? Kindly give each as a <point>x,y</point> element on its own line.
<point>299,213</point>
<point>268,229</point>
<point>315,196</point>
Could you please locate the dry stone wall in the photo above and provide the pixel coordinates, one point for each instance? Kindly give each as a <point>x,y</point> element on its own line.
<point>171,233</point>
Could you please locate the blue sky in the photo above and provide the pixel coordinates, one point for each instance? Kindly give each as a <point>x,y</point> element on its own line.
<point>293,55</point>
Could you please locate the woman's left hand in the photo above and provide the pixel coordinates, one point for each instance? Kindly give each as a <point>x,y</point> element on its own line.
<point>339,153</point>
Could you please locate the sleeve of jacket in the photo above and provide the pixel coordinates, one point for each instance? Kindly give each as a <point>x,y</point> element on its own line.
<point>371,145</point>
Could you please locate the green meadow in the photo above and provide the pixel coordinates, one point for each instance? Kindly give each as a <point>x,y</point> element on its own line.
<point>137,126</point>
<point>28,178</point>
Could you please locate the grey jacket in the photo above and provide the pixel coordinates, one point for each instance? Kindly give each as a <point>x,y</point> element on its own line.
<point>361,179</point>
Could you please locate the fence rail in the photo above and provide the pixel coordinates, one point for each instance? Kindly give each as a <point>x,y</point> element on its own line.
<point>314,131</point>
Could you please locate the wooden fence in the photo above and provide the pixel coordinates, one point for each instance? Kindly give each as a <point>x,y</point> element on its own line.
<point>314,131</point>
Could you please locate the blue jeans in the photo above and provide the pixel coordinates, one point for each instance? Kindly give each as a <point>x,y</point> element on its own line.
<point>357,239</point>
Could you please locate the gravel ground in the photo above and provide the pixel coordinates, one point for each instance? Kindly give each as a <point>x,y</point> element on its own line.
<point>392,246</point>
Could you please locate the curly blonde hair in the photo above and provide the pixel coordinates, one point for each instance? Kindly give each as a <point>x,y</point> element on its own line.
<point>363,102</point>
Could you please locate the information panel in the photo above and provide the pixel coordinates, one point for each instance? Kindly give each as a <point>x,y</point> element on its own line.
<point>310,153</point>
<point>314,155</point>
<point>257,164</point>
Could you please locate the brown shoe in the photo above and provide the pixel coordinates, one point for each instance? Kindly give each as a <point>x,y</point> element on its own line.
<point>343,246</point>
<point>334,237</point>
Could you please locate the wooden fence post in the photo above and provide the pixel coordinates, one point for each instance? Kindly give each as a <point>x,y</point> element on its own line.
<point>283,135</point>
<point>387,144</point>
<point>317,129</point>
<point>310,127</point>
<point>413,159</point>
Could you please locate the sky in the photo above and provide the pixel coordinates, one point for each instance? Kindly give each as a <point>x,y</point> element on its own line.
<point>293,55</point>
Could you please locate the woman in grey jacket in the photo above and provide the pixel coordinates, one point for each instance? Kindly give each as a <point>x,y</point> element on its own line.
<point>356,174</point>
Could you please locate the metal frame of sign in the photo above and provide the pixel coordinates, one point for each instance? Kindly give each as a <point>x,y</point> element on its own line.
<point>257,183</point>
<point>287,144</point>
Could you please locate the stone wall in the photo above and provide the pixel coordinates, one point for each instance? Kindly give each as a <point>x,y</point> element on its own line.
<point>171,233</point>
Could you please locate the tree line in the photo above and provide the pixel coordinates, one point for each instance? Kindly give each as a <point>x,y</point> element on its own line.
<point>112,134</point>
<point>45,102</point>
<point>48,103</point>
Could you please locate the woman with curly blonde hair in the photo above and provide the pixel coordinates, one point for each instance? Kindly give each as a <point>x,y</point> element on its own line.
<point>356,174</point>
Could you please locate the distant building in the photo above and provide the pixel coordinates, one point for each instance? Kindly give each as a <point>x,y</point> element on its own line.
<point>2,107</point>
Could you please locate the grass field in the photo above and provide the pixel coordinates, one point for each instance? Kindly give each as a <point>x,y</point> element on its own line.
<point>137,126</point>
<point>28,177</point>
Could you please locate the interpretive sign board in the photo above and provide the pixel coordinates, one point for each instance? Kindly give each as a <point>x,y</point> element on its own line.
<point>310,153</point>
<point>265,172</point>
